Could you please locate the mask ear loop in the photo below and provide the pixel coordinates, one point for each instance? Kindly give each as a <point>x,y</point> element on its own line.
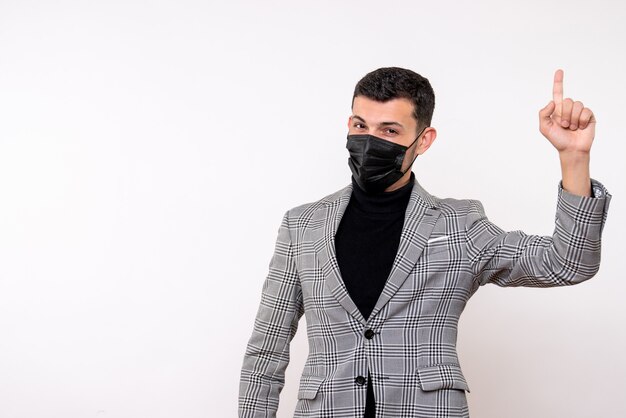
<point>416,155</point>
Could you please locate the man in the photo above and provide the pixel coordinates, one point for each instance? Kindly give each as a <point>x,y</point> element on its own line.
<point>383,269</point>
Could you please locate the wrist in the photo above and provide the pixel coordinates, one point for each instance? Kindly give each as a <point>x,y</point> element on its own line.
<point>575,172</point>
<point>574,157</point>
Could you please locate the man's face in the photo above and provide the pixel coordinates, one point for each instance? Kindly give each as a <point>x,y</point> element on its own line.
<point>391,120</point>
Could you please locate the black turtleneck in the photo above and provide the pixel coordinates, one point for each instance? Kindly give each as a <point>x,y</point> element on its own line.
<point>367,240</point>
<point>366,243</point>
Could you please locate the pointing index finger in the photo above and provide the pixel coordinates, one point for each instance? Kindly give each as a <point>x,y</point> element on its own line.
<point>557,88</point>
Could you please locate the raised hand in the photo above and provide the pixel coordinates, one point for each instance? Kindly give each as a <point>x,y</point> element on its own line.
<point>570,127</point>
<point>567,124</point>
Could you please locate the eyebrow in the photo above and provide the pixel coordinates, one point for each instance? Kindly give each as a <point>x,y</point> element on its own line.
<point>380,124</point>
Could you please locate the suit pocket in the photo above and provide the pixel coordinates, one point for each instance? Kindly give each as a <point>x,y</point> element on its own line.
<point>309,386</point>
<point>436,244</point>
<point>441,376</point>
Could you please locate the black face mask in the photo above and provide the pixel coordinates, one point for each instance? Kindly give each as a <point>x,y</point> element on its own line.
<point>376,163</point>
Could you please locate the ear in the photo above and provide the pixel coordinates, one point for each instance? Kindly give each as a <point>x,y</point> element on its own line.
<point>349,121</point>
<point>428,137</point>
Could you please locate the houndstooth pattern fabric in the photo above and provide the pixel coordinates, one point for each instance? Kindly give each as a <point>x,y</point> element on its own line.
<point>448,249</point>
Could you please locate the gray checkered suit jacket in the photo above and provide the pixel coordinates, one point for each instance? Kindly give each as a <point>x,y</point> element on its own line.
<point>448,249</point>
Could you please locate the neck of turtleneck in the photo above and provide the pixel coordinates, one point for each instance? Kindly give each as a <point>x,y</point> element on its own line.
<point>381,203</point>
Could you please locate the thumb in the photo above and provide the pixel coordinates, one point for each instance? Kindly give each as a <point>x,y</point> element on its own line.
<point>545,119</point>
<point>546,112</point>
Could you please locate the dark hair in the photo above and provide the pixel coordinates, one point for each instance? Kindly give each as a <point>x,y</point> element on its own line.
<point>389,83</point>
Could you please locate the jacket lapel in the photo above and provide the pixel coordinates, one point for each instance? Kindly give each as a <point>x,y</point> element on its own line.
<point>419,220</point>
<point>325,248</point>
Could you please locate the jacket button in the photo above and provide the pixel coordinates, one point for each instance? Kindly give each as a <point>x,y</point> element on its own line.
<point>360,380</point>
<point>369,334</point>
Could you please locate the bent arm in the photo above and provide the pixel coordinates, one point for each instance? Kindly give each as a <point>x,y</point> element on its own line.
<point>276,323</point>
<point>571,255</point>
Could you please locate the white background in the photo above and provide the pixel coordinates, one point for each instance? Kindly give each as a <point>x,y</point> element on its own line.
<point>148,151</point>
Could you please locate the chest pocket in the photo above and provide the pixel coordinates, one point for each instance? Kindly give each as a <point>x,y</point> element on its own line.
<point>437,244</point>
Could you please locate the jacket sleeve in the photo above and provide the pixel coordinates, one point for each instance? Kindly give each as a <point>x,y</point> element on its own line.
<point>267,353</point>
<point>570,256</point>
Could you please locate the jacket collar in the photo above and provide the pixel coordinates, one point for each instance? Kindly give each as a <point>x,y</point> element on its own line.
<point>421,214</point>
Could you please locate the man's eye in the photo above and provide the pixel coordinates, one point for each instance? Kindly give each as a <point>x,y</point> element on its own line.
<point>358,125</point>
<point>393,131</point>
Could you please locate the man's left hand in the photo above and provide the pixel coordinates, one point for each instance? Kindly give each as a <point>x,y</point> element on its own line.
<point>567,124</point>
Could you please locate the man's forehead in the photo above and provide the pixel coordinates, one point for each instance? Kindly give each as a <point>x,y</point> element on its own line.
<point>382,123</point>
<point>372,111</point>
